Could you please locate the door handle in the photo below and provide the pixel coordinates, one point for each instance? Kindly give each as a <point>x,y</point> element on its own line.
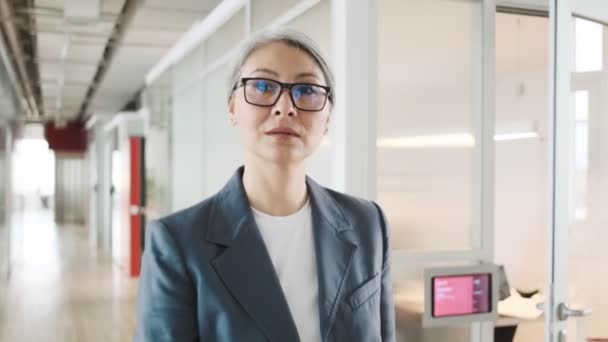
<point>564,312</point>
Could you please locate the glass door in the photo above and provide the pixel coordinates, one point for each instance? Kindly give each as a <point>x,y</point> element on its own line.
<point>579,216</point>
<point>434,147</point>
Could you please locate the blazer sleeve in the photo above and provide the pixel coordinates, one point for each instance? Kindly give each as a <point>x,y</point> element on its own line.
<point>166,298</point>
<point>387,307</point>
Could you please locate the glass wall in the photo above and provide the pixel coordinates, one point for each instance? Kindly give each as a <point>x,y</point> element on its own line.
<point>221,152</point>
<point>426,100</point>
<point>588,179</point>
<point>187,138</point>
<point>429,152</point>
<point>158,101</point>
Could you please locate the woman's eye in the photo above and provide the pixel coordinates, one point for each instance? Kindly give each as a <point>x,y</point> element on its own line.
<point>263,86</point>
<point>304,90</point>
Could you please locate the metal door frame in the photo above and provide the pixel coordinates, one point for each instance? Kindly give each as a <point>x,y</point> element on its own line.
<point>561,13</point>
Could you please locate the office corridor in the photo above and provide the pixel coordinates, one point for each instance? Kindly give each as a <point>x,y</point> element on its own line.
<point>60,289</point>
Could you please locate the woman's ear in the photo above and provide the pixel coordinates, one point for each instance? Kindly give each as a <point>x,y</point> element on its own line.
<point>231,114</point>
<point>231,105</point>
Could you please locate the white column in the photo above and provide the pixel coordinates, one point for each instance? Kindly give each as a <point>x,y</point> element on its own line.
<point>100,185</point>
<point>101,233</point>
<point>354,117</point>
<point>484,113</point>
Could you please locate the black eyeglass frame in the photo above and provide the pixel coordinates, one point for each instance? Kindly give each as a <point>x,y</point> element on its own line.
<point>283,86</point>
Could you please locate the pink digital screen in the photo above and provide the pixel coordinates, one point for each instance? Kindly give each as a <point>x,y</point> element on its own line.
<point>461,295</point>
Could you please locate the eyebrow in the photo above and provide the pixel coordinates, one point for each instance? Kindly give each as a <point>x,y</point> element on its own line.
<point>265,70</point>
<point>276,74</point>
<point>307,74</point>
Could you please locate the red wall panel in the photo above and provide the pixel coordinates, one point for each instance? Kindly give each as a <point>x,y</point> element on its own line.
<point>135,201</point>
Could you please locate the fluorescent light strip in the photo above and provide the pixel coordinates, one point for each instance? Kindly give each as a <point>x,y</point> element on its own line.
<point>434,141</point>
<point>516,136</point>
<point>448,140</point>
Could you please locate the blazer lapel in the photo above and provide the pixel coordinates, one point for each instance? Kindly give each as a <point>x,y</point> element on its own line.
<point>335,247</point>
<point>245,266</point>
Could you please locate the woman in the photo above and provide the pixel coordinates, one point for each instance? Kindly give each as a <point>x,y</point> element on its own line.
<point>273,256</point>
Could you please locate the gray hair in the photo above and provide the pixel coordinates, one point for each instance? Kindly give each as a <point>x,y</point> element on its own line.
<point>291,38</point>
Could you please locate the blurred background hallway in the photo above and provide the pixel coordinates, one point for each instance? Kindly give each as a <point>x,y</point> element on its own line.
<point>61,289</point>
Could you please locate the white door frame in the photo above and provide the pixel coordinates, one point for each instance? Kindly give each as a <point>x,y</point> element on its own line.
<point>560,130</point>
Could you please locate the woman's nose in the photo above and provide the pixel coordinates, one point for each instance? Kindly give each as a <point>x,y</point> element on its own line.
<point>284,104</point>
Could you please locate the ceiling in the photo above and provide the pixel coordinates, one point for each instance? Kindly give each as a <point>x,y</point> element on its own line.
<point>71,50</point>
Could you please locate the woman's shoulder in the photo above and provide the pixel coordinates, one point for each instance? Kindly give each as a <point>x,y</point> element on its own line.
<point>354,205</point>
<point>195,212</point>
<point>366,220</point>
<point>364,216</point>
<point>185,223</point>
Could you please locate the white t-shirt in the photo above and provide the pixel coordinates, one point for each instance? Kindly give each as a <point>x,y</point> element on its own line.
<point>290,243</point>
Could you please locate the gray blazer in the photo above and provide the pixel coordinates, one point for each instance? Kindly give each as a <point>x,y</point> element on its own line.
<point>207,276</point>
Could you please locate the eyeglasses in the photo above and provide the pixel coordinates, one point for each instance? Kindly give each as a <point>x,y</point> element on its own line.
<point>265,92</point>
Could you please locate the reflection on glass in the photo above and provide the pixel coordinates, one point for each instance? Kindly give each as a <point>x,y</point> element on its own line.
<point>589,45</point>
<point>588,176</point>
<point>581,153</point>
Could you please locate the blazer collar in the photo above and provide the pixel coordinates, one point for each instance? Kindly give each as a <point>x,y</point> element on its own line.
<point>232,207</point>
<point>248,273</point>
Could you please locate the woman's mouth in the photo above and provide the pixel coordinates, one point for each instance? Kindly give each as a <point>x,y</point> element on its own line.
<point>283,132</point>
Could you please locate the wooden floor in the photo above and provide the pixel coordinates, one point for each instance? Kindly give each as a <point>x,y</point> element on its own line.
<point>60,289</point>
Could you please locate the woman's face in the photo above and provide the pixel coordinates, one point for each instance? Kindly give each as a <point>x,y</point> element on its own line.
<point>281,133</point>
